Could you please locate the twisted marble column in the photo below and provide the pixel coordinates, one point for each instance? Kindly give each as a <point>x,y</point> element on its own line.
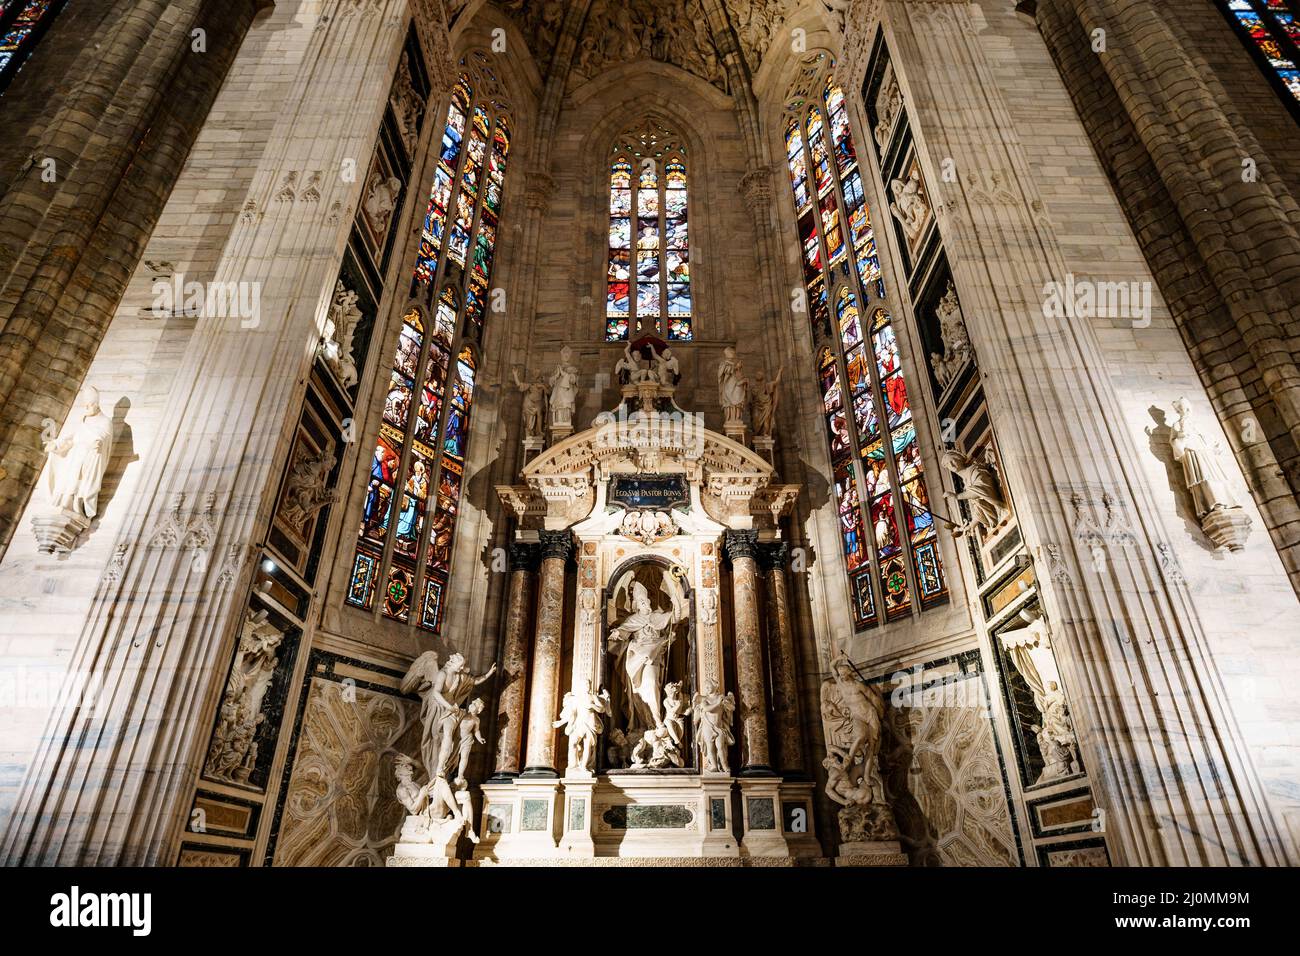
<point>742,546</point>
<point>785,699</point>
<point>514,661</point>
<point>556,548</point>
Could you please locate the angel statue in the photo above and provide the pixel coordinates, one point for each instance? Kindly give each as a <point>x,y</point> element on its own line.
<point>980,489</point>
<point>851,717</point>
<point>580,717</point>
<point>713,736</point>
<point>642,640</point>
<point>443,692</point>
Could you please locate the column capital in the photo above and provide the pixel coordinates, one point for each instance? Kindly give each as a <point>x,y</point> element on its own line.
<point>740,544</point>
<point>556,544</point>
<point>773,555</point>
<point>524,556</point>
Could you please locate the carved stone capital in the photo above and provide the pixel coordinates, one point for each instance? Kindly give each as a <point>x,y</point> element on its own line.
<point>556,544</point>
<point>741,544</point>
<point>773,555</point>
<point>524,557</point>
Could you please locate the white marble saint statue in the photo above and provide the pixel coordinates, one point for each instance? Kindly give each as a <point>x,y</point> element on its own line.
<point>909,206</point>
<point>232,755</point>
<point>642,640</point>
<point>733,388</point>
<point>763,407</point>
<point>852,713</point>
<point>667,368</point>
<point>564,390</point>
<point>1202,474</point>
<point>713,712</point>
<point>79,457</point>
<point>981,490</point>
<point>580,714</point>
<point>534,405</point>
<point>336,346</point>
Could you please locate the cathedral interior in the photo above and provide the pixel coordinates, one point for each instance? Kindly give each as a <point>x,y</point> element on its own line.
<point>808,433</point>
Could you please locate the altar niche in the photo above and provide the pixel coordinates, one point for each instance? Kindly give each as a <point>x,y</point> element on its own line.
<point>648,663</point>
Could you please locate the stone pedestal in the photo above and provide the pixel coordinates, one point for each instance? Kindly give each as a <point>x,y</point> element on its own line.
<point>767,448</point>
<point>718,824</point>
<point>514,662</point>
<point>58,530</point>
<point>796,818</point>
<point>576,820</point>
<point>532,446</point>
<point>556,546</point>
<point>742,547</point>
<point>559,433</point>
<point>879,853</point>
<point>424,844</point>
<point>1228,528</point>
<point>735,431</point>
<point>760,803</point>
<point>519,820</point>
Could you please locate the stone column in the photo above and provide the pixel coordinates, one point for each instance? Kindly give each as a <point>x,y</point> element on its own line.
<point>112,786</point>
<point>556,548</point>
<point>742,546</point>
<point>1166,755</point>
<point>514,662</point>
<point>785,685</point>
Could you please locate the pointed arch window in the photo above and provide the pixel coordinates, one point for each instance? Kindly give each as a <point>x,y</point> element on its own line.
<point>887,531</point>
<point>1271,29</point>
<point>648,281</point>
<point>22,24</point>
<point>402,561</point>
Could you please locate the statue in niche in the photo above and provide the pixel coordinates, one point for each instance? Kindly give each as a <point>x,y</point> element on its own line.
<point>307,490</point>
<point>733,388</point>
<point>713,711</point>
<point>981,490</point>
<point>889,103</point>
<point>336,346</point>
<point>852,720</point>
<point>910,206</point>
<point>641,641</point>
<point>1202,475</point>
<point>534,405</point>
<point>381,200</point>
<point>763,409</point>
<point>564,390</point>
<point>580,715</point>
<point>232,755</point>
<point>956,344</point>
<point>1029,648</point>
<point>1056,739</point>
<point>79,457</point>
<point>408,106</point>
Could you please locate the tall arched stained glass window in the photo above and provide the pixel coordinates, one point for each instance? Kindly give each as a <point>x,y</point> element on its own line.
<point>22,24</point>
<point>648,285</point>
<point>886,528</point>
<point>1271,29</point>
<point>417,473</point>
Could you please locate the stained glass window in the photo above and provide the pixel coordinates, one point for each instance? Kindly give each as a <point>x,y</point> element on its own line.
<point>1272,29</point>
<point>648,283</point>
<point>22,23</point>
<point>417,471</point>
<point>887,531</point>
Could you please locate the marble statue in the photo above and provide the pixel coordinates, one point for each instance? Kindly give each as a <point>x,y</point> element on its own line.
<point>413,797</point>
<point>580,715</point>
<point>889,102</point>
<point>79,457</point>
<point>956,344</point>
<point>708,607</point>
<point>647,526</point>
<point>381,200</point>
<point>534,405</point>
<point>910,206</point>
<point>1203,477</point>
<point>657,750</point>
<point>713,711</point>
<point>763,407</point>
<point>642,640</point>
<point>232,755</point>
<point>667,368</point>
<point>308,489</point>
<point>676,708</point>
<point>564,390</point>
<point>733,388</point>
<point>852,720</point>
<point>336,346</point>
<point>1029,648</point>
<point>632,369</point>
<point>1056,739</point>
<point>981,490</point>
<point>442,692</point>
<point>468,733</point>
<point>407,105</point>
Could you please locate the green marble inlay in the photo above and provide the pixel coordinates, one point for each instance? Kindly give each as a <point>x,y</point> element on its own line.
<point>718,813</point>
<point>762,815</point>
<point>673,816</point>
<point>534,817</point>
<point>577,814</point>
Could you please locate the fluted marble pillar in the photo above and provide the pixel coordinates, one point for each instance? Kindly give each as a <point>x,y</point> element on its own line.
<point>785,695</point>
<point>755,759</point>
<point>556,549</point>
<point>514,661</point>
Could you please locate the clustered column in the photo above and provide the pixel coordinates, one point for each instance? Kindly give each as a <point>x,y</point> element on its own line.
<point>781,652</point>
<point>556,549</point>
<point>514,661</point>
<point>742,546</point>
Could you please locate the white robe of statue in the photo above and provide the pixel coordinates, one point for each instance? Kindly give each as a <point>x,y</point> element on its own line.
<point>79,457</point>
<point>647,634</point>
